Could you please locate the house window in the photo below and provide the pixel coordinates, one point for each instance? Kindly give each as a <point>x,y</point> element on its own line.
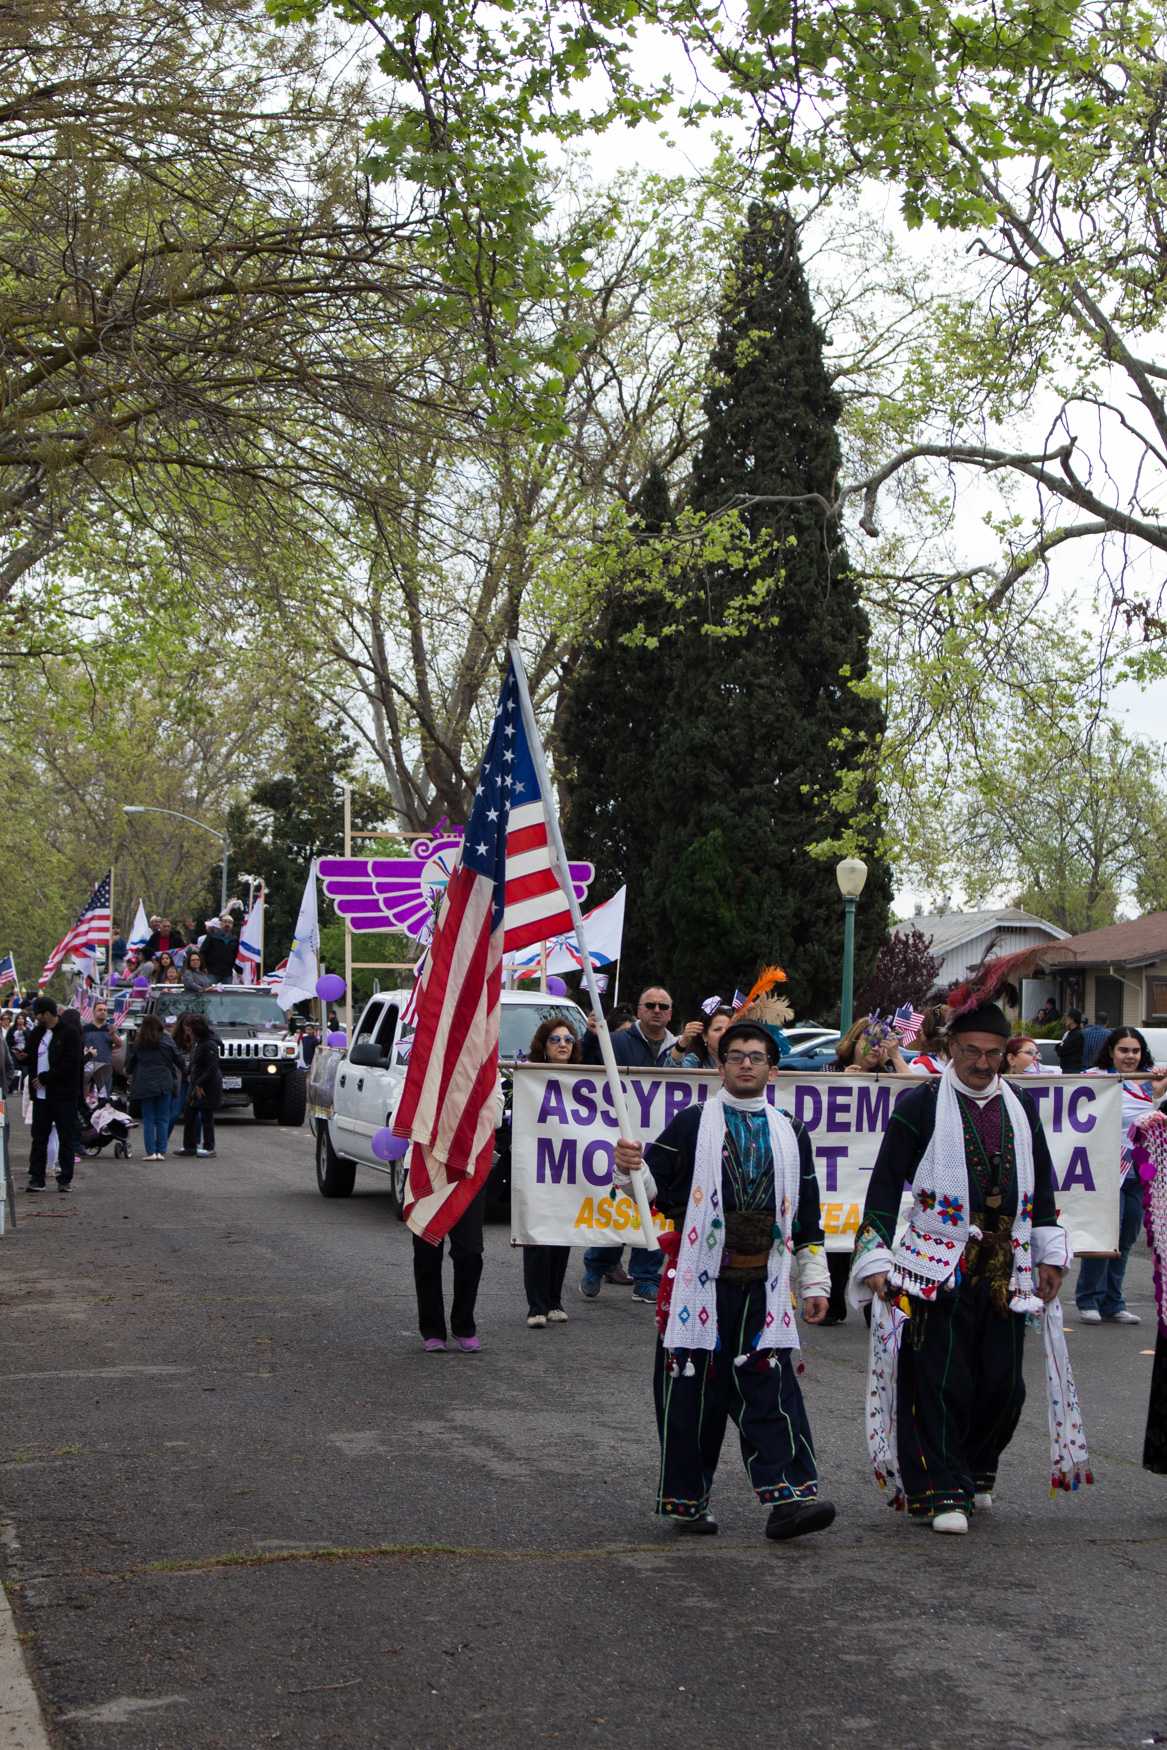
<point>1156,999</point>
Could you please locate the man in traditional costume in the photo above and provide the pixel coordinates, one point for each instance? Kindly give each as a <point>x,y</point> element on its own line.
<point>737,1175</point>
<point>950,1296</point>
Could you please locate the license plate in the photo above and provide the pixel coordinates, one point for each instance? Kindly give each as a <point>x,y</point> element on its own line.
<point>232,1081</point>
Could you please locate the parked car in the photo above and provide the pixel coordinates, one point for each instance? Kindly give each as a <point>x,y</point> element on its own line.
<point>353,1093</point>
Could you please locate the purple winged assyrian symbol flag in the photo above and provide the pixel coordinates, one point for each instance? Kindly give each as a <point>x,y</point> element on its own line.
<point>403,893</point>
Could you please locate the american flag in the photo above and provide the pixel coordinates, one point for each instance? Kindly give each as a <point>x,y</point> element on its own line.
<point>7,971</point>
<point>504,894</point>
<point>907,1022</point>
<point>90,931</point>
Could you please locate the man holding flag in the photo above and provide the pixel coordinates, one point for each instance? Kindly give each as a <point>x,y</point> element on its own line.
<point>511,888</point>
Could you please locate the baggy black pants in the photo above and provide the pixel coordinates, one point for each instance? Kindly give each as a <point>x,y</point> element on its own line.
<point>465,1239</point>
<point>544,1268</point>
<point>959,1397</point>
<point>763,1398</point>
<point>46,1113</point>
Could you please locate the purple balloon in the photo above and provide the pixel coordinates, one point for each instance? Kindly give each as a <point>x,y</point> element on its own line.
<point>340,1037</point>
<point>556,987</point>
<point>388,1147</point>
<point>330,987</point>
<point>141,983</point>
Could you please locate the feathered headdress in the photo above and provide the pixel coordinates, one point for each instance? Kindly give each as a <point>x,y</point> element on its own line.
<point>759,1005</point>
<point>993,979</point>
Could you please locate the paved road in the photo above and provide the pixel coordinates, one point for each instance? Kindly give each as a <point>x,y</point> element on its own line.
<point>243,1509</point>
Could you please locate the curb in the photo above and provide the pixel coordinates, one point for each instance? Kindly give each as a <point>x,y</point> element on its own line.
<point>22,1725</point>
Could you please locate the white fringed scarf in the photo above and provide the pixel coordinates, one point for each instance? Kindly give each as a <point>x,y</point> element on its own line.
<point>929,1258</point>
<point>692,1320</point>
<point>929,1254</point>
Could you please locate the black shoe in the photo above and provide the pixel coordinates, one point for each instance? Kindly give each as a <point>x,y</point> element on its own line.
<point>797,1518</point>
<point>184,1151</point>
<point>835,1318</point>
<point>705,1525</point>
<point>33,1186</point>
<point>64,1189</point>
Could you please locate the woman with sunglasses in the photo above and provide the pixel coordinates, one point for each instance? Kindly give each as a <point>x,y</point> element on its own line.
<point>544,1267</point>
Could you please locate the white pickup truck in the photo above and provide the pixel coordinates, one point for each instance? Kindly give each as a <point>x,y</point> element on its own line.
<point>353,1093</point>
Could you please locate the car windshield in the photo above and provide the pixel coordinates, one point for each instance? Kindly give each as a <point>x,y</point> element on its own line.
<point>242,1008</point>
<point>516,1027</point>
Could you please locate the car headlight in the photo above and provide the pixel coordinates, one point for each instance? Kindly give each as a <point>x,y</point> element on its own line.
<point>271,1051</point>
<point>273,1069</point>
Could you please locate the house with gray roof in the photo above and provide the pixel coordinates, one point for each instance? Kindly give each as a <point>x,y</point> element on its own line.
<point>962,940</point>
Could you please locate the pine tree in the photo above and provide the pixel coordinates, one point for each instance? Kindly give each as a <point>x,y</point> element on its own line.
<point>769,717</point>
<point>753,708</point>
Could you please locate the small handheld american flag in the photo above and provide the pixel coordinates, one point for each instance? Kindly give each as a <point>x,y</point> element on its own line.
<point>907,1022</point>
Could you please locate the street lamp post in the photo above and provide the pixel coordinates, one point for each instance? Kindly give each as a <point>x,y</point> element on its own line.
<point>851,874</point>
<point>143,808</point>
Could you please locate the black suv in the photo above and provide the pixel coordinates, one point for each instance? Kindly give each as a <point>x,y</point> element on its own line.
<point>258,1052</point>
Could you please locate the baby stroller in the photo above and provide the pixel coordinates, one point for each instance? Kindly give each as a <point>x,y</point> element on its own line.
<point>107,1122</point>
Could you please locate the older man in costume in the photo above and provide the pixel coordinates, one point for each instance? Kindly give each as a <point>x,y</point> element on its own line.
<point>737,1175</point>
<point>982,1249</point>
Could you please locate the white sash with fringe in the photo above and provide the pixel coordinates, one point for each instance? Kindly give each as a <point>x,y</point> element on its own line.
<point>693,1310</point>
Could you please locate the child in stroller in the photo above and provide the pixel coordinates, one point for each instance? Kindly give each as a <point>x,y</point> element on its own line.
<point>108,1121</point>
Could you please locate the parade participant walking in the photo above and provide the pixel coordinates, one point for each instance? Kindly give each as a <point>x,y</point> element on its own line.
<point>466,1247</point>
<point>1149,1151</point>
<point>544,1267</point>
<point>55,1059</point>
<point>1098,1291</point>
<point>948,1322</point>
<point>738,1177</point>
<point>647,1044</point>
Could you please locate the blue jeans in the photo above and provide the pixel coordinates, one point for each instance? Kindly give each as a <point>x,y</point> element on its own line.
<point>643,1266</point>
<point>156,1122</point>
<point>1099,1283</point>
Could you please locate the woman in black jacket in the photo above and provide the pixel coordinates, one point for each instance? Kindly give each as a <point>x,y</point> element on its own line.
<point>154,1068</point>
<point>205,1090</point>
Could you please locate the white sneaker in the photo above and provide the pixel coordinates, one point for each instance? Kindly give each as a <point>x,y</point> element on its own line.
<point>1090,1317</point>
<point>983,1501</point>
<point>953,1522</point>
<point>536,1321</point>
<point>557,1316</point>
<point>1125,1318</point>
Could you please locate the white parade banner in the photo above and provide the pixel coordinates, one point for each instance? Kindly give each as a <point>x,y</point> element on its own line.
<point>564,1130</point>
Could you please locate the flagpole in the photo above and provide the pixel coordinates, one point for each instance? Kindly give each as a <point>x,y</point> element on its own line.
<point>559,860</point>
<point>348,933</point>
<point>109,945</point>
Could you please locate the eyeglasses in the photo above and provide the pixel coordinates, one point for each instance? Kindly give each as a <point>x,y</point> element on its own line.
<point>750,1057</point>
<point>970,1054</point>
<point>561,1039</point>
<point>656,1005</point>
